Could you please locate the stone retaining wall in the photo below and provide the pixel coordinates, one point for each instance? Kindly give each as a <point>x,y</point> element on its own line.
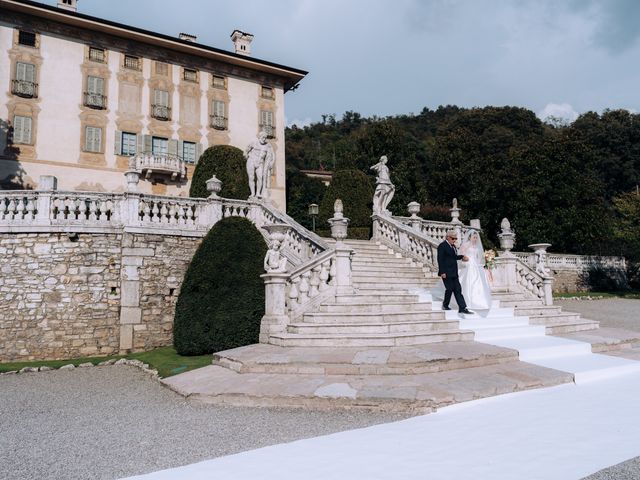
<point>88,294</point>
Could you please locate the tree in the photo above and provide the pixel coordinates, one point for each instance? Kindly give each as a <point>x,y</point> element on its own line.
<point>228,164</point>
<point>221,300</point>
<point>302,191</point>
<point>354,188</point>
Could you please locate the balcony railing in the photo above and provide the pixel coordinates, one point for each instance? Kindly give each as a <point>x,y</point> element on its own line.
<point>95,100</point>
<point>161,112</point>
<point>270,130</point>
<point>149,163</point>
<point>218,122</point>
<point>25,89</point>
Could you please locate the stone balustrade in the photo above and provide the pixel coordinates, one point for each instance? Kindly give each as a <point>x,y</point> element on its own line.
<point>163,163</point>
<point>579,263</point>
<point>432,229</point>
<point>409,241</point>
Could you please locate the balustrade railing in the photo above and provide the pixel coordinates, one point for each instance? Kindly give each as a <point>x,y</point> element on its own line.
<point>18,207</point>
<point>163,163</point>
<point>84,208</point>
<point>405,239</point>
<point>559,261</point>
<point>533,283</point>
<point>432,229</point>
<point>310,283</point>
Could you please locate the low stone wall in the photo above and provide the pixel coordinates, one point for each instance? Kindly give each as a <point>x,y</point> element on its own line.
<point>565,281</point>
<point>88,294</point>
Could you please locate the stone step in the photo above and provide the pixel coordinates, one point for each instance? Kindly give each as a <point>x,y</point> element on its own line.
<point>385,258</point>
<point>357,269</point>
<point>381,284</point>
<point>368,340</point>
<point>581,326</point>
<point>372,327</point>
<point>370,317</point>
<point>382,297</point>
<point>411,360</point>
<point>518,302</point>
<point>555,319</point>
<point>391,305</point>
<point>512,331</point>
<point>389,274</point>
<point>533,310</point>
<point>382,290</point>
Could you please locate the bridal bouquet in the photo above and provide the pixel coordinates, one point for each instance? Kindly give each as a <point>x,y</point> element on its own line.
<point>489,259</point>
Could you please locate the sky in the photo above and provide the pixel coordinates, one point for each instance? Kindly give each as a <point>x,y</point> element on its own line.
<point>387,57</point>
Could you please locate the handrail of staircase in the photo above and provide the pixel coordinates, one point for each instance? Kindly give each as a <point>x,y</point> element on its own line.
<point>431,228</point>
<point>532,283</point>
<point>404,239</point>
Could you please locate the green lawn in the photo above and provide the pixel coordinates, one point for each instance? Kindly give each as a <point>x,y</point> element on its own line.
<point>164,359</point>
<point>622,294</point>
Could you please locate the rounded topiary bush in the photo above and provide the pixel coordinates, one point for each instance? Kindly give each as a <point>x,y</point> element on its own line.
<point>228,164</point>
<point>221,301</point>
<point>354,188</point>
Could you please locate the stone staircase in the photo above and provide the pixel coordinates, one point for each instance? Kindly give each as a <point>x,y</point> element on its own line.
<point>380,312</point>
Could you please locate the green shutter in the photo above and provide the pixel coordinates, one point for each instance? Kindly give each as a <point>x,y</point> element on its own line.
<point>117,147</point>
<point>95,85</point>
<point>181,148</point>
<point>198,151</point>
<point>141,143</point>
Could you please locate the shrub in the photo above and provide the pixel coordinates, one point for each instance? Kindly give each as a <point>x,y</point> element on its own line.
<point>605,279</point>
<point>228,164</point>
<point>221,301</point>
<point>354,188</point>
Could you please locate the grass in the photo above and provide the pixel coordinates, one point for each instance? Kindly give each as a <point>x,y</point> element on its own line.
<point>622,294</point>
<point>165,360</point>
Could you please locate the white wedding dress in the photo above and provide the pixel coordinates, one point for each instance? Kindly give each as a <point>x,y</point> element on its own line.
<point>473,279</point>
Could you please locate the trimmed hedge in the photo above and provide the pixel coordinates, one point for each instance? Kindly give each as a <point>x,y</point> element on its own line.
<point>221,301</point>
<point>354,188</point>
<point>228,164</point>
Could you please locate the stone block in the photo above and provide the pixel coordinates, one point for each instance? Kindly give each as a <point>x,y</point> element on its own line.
<point>127,261</point>
<point>130,293</point>
<point>130,315</point>
<point>126,337</point>
<point>138,252</point>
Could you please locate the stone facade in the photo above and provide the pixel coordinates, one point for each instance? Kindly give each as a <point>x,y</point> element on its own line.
<point>88,294</point>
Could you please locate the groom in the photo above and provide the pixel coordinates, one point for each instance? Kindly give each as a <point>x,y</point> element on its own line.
<point>448,270</point>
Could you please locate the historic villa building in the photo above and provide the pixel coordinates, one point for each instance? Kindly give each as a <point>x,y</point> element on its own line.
<point>83,97</point>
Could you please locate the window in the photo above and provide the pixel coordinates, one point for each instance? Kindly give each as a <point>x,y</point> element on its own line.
<point>24,83</point>
<point>129,143</point>
<point>160,108</point>
<point>132,63</point>
<point>22,129</point>
<point>94,96</point>
<point>266,123</point>
<point>267,92</point>
<point>190,75</point>
<point>162,69</point>
<point>218,82</point>
<point>219,117</point>
<point>189,152</point>
<point>27,38</point>
<point>96,54</point>
<point>159,146</point>
<point>93,139</point>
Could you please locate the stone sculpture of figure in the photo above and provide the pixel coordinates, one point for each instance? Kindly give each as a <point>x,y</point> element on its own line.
<point>260,160</point>
<point>384,188</point>
<point>274,261</point>
<point>541,264</point>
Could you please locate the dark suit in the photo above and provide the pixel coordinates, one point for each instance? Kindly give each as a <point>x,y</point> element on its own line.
<point>448,263</point>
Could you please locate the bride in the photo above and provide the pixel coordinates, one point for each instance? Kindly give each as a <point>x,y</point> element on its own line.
<point>473,280</point>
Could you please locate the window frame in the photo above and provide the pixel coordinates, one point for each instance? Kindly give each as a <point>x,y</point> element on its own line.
<point>19,140</point>
<point>189,160</point>
<point>88,140</point>
<point>125,150</point>
<point>222,86</point>
<point>25,33</point>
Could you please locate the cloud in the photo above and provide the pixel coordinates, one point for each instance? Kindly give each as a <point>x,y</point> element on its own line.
<point>562,111</point>
<point>299,123</point>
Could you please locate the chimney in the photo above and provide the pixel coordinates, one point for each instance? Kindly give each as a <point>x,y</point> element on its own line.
<point>242,42</point>
<point>71,5</point>
<point>188,37</point>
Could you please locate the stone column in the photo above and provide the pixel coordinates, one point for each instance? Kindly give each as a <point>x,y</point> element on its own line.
<point>339,225</point>
<point>276,318</point>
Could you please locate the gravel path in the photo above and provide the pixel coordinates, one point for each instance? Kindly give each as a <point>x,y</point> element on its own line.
<point>112,422</point>
<point>610,312</point>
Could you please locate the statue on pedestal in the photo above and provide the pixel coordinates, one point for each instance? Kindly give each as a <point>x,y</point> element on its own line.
<point>384,188</point>
<point>260,159</point>
<point>274,261</point>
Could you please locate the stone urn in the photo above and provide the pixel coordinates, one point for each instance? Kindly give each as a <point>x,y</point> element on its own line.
<point>414,209</point>
<point>455,212</point>
<point>214,185</point>
<point>277,231</point>
<point>507,238</point>
<point>338,222</point>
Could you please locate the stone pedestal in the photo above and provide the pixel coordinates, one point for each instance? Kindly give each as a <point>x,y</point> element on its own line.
<point>275,319</point>
<point>414,220</point>
<point>343,269</point>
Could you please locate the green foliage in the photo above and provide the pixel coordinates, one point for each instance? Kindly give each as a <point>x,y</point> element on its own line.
<point>354,188</point>
<point>605,279</point>
<point>221,301</point>
<point>228,164</point>
<point>627,227</point>
<point>302,191</point>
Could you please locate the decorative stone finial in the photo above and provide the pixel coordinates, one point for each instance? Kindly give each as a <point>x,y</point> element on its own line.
<point>133,177</point>
<point>214,185</point>
<point>338,223</point>
<point>507,238</point>
<point>455,212</point>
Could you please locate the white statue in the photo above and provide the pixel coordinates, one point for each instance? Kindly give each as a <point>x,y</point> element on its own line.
<point>260,159</point>
<point>274,261</point>
<point>384,188</point>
